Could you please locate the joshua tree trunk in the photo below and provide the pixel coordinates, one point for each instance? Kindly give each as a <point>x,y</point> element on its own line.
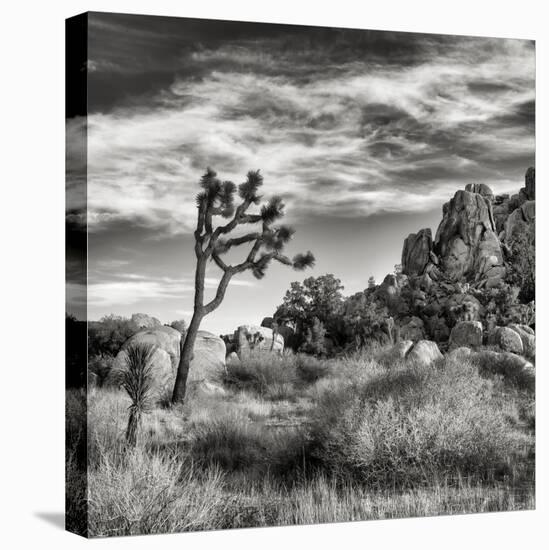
<point>185,357</point>
<point>134,425</point>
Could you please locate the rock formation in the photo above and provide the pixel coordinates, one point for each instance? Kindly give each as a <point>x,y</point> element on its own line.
<point>142,320</point>
<point>207,364</point>
<point>466,240</point>
<point>250,338</point>
<point>416,252</point>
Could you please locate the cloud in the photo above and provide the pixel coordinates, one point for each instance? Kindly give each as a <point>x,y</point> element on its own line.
<point>113,288</point>
<point>353,131</point>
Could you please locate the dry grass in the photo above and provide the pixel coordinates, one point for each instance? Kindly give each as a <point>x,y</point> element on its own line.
<point>351,440</point>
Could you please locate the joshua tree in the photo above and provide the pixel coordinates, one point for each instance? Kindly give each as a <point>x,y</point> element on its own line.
<point>217,198</point>
<point>137,381</point>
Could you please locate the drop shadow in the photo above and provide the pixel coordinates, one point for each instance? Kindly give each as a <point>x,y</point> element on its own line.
<point>57,519</point>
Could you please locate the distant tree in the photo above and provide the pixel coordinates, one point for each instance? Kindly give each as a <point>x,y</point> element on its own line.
<point>106,336</point>
<point>371,282</point>
<point>315,339</point>
<point>180,325</point>
<point>398,269</point>
<point>317,297</point>
<point>365,318</point>
<point>521,261</point>
<point>267,244</point>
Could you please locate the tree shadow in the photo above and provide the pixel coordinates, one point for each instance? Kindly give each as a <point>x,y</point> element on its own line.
<point>57,519</point>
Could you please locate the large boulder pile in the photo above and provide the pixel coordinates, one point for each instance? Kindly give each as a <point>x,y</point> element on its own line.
<point>454,278</point>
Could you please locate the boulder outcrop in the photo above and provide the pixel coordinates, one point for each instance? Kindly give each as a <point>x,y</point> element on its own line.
<point>466,334</point>
<point>466,241</point>
<point>416,252</point>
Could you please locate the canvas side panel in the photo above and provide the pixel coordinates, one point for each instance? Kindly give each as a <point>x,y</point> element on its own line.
<point>76,486</point>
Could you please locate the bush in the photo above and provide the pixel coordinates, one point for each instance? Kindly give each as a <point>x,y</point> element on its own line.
<point>509,366</point>
<point>106,336</point>
<point>267,375</point>
<point>413,426</point>
<point>142,493</point>
<point>273,377</point>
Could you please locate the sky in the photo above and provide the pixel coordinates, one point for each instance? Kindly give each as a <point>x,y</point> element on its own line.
<point>365,134</point>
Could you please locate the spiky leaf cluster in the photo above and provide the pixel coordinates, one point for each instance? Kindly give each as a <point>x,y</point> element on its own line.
<point>137,377</point>
<point>248,190</point>
<point>302,261</point>
<point>217,195</point>
<point>277,237</point>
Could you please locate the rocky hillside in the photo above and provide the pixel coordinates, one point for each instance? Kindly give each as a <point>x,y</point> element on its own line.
<point>467,272</point>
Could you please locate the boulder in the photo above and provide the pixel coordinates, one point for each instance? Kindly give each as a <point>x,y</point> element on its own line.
<point>401,349</point>
<point>267,322</point>
<point>416,252</point>
<point>261,339</point>
<point>466,242</point>
<point>527,337</point>
<point>412,329</point>
<point>390,289</point>
<point>163,373</point>
<point>208,361</point>
<point>142,320</point>
<point>481,189</point>
<point>424,353</point>
<point>506,339</point>
<point>466,334</point>
<point>459,354</point>
<point>165,338</point>
<point>512,367</point>
<point>525,214</point>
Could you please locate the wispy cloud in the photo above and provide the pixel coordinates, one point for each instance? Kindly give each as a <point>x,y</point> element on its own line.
<point>354,141</point>
<point>112,289</point>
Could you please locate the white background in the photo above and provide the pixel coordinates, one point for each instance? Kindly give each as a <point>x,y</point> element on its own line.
<point>32,270</point>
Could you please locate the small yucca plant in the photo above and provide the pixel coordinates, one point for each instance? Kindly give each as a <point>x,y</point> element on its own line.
<point>138,383</point>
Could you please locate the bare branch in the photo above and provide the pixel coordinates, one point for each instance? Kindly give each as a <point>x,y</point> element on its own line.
<point>220,294</point>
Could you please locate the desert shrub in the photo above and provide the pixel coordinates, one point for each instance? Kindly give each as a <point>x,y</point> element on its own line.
<point>106,336</point>
<point>521,260</point>
<point>76,461</point>
<point>507,365</point>
<point>145,493</point>
<point>412,426</point>
<point>310,369</point>
<point>234,443</point>
<point>267,375</point>
<point>101,365</point>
